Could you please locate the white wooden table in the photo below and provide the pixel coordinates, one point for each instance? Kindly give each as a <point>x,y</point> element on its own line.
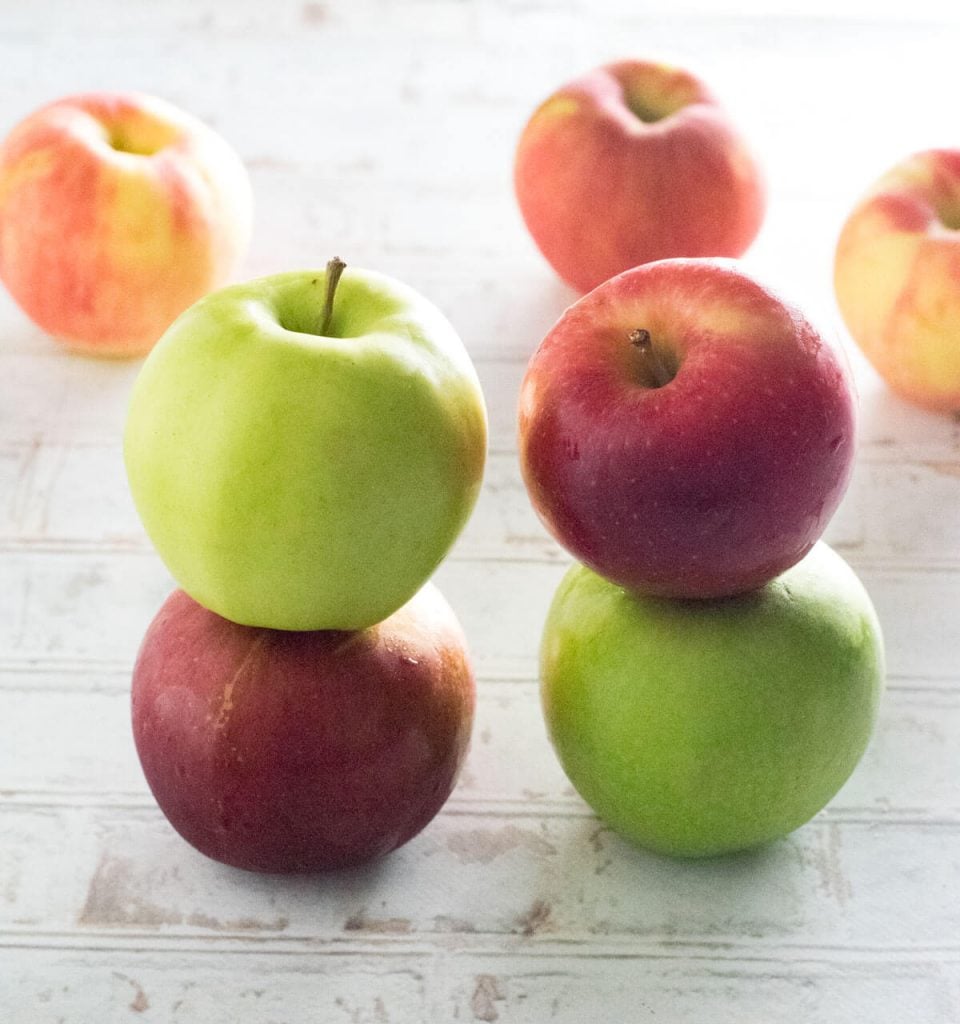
<point>383,132</point>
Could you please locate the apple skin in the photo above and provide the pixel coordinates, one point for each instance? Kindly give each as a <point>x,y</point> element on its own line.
<point>696,728</point>
<point>297,481</point>
<point>117,211</point>
<point>290,752</point>
<point>712,484</point>
<point>897,278</point>
<point>630,163</point>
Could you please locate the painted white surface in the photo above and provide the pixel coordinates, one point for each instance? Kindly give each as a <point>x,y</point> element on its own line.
<point>383,132</point>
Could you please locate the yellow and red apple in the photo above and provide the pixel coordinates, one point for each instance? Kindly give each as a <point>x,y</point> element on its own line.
<point>633,162</point>
<point>117,212</point>
<point>897,278</point>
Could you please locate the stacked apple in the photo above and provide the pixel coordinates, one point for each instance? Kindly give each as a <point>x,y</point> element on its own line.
<point>710,673</point>
<point>303,450</point>
<point>711,670</point>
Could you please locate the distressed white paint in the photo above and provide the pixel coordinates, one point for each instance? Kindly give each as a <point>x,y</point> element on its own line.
<point>367,985</point>
<point>908,774</point>
<point>384,132</point>
<point>64,606</point>
<point>830,884</point>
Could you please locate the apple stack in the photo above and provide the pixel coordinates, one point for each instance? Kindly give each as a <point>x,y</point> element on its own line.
<point>303,450</point>
<point>710,670</point>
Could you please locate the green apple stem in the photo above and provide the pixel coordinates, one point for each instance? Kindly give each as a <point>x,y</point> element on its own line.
<point>658,369</point>
<point>335,268</point>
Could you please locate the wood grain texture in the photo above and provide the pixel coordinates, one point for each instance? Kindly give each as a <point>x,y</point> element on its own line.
<point>384,132</point>
<point>66,986</point>
<point>53,604</point>
<point>908,774</point>
<point>829,885</point>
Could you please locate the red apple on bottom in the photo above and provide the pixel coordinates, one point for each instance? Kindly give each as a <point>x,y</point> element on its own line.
<point>302,751</point>
<point>684,432</point>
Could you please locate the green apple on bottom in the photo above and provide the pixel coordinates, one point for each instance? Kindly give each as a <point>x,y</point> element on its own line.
<point>696,728</point>
<point>303,449</point>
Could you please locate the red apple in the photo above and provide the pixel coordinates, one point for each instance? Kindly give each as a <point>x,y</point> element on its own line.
<point>117,211</point>
<point>897,278</point>
<point>684,432</point>
<point>634,162</point>
<point>301,751</point>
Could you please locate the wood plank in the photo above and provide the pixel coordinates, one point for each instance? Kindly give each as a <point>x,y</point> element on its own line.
<point>832,884</point>
<point>53,609</point>
<point>47,396</point>
<point>73,987</point>
<point>49,399</point>
<point>62,495</point>
<point>69,607</point>
<point>220,987</point>
<point>571,990</point>
<point>908,774</point>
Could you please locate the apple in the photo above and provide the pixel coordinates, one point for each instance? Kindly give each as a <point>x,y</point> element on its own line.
<point>282,752</point>
<point>685,432</point>
<point>633,162</point>
<point>303,449</point>
<point>897,278</point>
<point>696,728</point>
<point>117,211</point>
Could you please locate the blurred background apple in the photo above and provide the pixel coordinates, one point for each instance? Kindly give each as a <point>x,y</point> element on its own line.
<point>897,278</point>
<point>117,211</point>
<point>632,162</point>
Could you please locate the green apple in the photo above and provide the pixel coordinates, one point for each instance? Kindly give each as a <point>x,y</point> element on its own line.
<point>696,728</point>
<point>303,449</point>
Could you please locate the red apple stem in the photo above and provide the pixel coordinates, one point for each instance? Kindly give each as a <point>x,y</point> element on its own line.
<point>335,268</point>
<point>643,343</point>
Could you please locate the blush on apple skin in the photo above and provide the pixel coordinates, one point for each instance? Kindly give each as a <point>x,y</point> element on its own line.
<point>897,278</point>
<point>117,211</point>
<point>712,484</point>
<point>288,752</point>
<point>633,162</point>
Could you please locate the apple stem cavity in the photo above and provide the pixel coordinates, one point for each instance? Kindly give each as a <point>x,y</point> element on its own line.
<point>335,268</point>
<point>657,371</point>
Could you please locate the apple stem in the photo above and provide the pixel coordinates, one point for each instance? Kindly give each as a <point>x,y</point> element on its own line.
<point>643,343</point>
<point>335,268</point>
